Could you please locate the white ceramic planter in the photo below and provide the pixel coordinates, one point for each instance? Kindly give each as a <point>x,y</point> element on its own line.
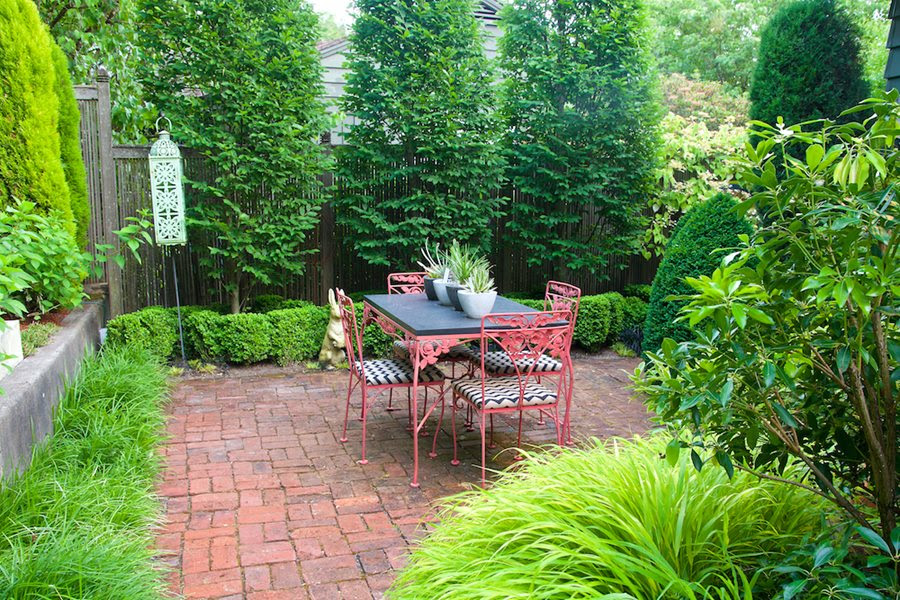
<point>440,288</point>
<point>11,345</point>
<point>477,305</point>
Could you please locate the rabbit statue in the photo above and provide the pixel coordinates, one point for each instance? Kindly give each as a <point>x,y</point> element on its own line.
<point>332,353</point>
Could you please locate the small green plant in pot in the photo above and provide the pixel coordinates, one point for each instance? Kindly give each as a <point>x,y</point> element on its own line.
<point>478,298</point>
<point>435,267</point>
<point>462,261</point>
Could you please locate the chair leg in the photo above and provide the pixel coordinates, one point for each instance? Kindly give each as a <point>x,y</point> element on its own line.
<point>437,429</point>
<point>455,460</point>
<point>483,451</point>
<point>519,438</point>
<point>390,406</point>
<point>365,409</point>
<point>409,424</point>
<point>559,430</point>
<point>347,412</point>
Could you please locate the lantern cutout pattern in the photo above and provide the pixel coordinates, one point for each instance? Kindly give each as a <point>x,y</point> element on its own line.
<point>167,191</point>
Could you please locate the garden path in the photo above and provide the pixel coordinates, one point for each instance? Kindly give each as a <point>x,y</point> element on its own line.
<point>263,502</point>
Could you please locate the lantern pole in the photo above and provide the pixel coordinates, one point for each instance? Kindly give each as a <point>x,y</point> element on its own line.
<point>178,309</point>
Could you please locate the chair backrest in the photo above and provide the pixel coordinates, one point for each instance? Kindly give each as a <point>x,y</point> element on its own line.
<point>352,337</point>
<point>524,338</point>
<point>406,283</point>
<point>563,296</point>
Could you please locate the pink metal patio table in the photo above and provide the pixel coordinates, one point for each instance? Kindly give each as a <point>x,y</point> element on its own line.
<point>429,329</point>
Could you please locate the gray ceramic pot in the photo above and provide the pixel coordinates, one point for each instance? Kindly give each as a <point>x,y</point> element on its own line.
<point>453,293</point>
<point>429,288</point>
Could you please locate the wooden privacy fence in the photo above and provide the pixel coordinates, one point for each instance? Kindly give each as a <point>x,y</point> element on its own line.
<point>118,180</point>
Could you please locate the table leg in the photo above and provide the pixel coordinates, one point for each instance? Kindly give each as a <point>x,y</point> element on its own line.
<point>416,361</point>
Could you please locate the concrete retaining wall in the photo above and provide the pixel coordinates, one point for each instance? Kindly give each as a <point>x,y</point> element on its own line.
<point>32,391</point>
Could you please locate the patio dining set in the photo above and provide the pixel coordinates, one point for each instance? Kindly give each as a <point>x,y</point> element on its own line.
<point>516,359</point>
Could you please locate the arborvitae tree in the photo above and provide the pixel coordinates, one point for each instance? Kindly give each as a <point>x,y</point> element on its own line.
<point>70,146</point>
<point>809,65</point>
<point>581,113</point>
<point>30,165</point>
<point>240,81</point>
<point>423,160</point>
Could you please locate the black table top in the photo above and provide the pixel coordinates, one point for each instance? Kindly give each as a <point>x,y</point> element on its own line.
<point>421,317</point>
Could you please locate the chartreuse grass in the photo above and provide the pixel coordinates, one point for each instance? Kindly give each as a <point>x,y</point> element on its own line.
<point>614,521</point>
<point>79,522</point>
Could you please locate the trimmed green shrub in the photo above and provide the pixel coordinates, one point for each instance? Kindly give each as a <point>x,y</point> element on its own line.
<point>638,290</point>
<point>613,521</point>
<point>809,64</point>
<point>244,337</point>
<point>297,333</point>
<point>592,327</point>
<point>201,329</point>
<point>531,303</point>
<point>265,303</point>
<point>635,312</point>
<point>376,343</point>
<point>153,328</point>
<point>30,165</point>
<point>69,127</point>
<point>294,304</point>
<point>79,522</point>
<point>616,315</point>
<point>692,251</point>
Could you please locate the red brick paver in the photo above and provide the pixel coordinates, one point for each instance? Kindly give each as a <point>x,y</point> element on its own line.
<point>263,501</point>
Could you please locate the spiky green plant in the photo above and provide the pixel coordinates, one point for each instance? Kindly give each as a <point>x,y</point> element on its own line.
<point>435,261</point>
<point>480,280</point>
<point>462,259</point>
<point>612,521</point>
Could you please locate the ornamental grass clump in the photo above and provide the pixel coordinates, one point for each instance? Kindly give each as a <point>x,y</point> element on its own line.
<point>613,519</point>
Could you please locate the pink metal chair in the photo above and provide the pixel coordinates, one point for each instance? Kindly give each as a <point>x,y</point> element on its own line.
<point>525,339</point>
<point>557,296</point>
<point>378,375</point>
<point>406,283</point>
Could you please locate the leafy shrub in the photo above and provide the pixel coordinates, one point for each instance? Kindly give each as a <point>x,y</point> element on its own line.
<point>37,335</point>
<point>692,251</point>
<point>807,45</point>
<point>294,304</point>
<point>594,317</point>
<point>638,290</point>
<point>613,519</point>
<point>201,329</point>
<point>244,337</point>
<point>297,333</point>
<point>616,315</point>
<point>30,165</point>
<point>79,522</point>
<point>635,312</point>
<point>44,249</point>
<point>266,303</point>
<point>69,127</point>
<point>531,303</point>
<point>153,328</point>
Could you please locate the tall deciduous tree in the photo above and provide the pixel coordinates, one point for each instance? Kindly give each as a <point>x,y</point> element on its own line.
<point>422,160</point>
<point>240,79</point>
<point>581,112</point>
<point>809,66</point>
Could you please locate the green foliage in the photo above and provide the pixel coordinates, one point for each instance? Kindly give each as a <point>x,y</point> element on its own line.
<point>244,337</point>
<point>623,350</point>
<point>808,45</point>
<point>580,112</point>
<point>376,343</point>
<point>634,311</point>
<point>154,329</point>
<point>700,135</point>
<point>639,290</point>
<point>30,165</point>
<point>200,334</point>
<point>78,524</point>
<point>692,251</point>
<point>592,327</point>
<point>257,123</point>
<point>423,158</point>
<point>616,316</point>
<point>297,333</point>
<point>613,521</point>
<point>266,303</point>
<point>797,351</point>
<point>43,249</point>
<point>37,335</point>
<point>69,127</point>
<point>295,304</point>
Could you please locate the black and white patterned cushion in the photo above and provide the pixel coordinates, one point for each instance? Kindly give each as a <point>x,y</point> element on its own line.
<point>500,363</point>
<point>389,371</point>
<point>456,352</point>
<point>503,392</point>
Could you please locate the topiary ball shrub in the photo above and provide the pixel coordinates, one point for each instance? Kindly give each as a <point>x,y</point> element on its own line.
<point>612,519</point>
<point>809,66</point>
<point>297,333</point>
<point>244,338</point>
<point>153,328</point>
<point>634,312</point>
<point>616,315</point>
<point>692,251</point>
<point>592,326</point>
<point>638,290</point>
<point>201,334</point>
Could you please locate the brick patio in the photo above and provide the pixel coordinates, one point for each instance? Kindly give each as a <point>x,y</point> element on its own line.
<point>263,502</point>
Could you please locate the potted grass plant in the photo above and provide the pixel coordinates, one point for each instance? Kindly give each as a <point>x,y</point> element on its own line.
<point>461,260</point>
<point>435,267</point>
<point>479,295</point>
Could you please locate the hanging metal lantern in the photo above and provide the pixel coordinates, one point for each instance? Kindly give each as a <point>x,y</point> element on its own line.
<point>166,190</point>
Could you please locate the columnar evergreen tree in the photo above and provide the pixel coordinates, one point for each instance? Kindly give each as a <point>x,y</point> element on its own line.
<point>581,112</point>
<point>30,165</point>
<point>240,81</point>
<point>809,65</point>
<point>423,159</point>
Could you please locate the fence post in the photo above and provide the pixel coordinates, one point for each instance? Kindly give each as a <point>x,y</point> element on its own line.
<point>108,192</point>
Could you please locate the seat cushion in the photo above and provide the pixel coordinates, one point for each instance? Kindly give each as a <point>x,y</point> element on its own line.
<point>503,392</point>
<point>500,363</point>
<point>388,371</point>
<point>458,352</point>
